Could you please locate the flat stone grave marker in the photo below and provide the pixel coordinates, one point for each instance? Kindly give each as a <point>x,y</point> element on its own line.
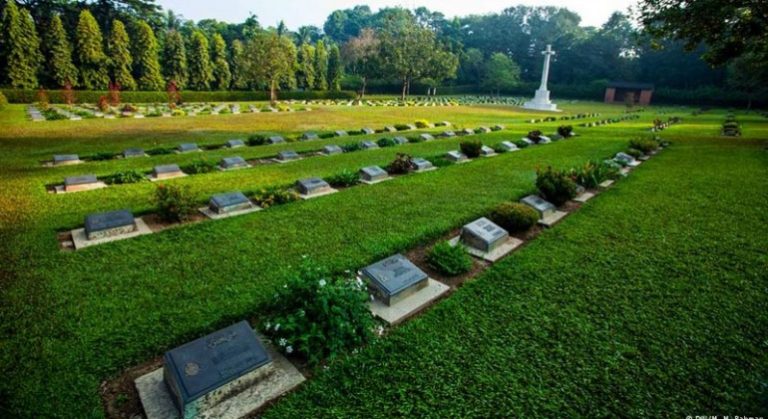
<point>484,130</point>
<point>341,133</point>
<point>66,159</point>
<point>426,137</point>
<point>313,187</point>
<point>394,279</point>
<point>235,143</point>
<point>133,152</point>
<point>390,128</point>
<point>410,127</point>
<point>276,139</point>
<point>81,183</point>
<point>509,146</point>
<point>544,140</point>
<point>456,156</point>
<point>486,240</point>
<point>188,148</point>
<point>109,224</point>
<point>232,163</point>
<point>287,155</point>
<point>369,145</point>
<point>626,159</point>
<point>466,131</point>
<point>310,136</point>
<point>400,140</point>
<point>446,124</point>
<point>204,371</point>
<point>229,203</point>
<point>373,174</point>
<point>368,131</point>
<point>527,141</point>
<point>486,151</point>
<point>448,134</point>
<point>549,215</point>
<point>166,171</point>
<point>330,150</point>
<point>498,127</point>
<point>422,165</point>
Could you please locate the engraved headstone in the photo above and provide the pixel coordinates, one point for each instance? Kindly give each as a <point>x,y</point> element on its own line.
<point>237,162</point>
<point>487,151</point>
<point>287,155</point>
<point>426,137</point>
<point>541,206</point>
<point>310,136</point>
<point>133,152</point>
<point>275,139</point>
<point>188,148</point>
<point>421,165</point>
<point>509,146</point>
<point>109,224</point>
<point>79,183</point>
<point>368,131</point>
<point>312,186</point>
<point>229,202</point>
<point>341,133</point>
<point>235,143</point>
<point>212,363</point>
<point>483,235</point>
<point>448,134</point>
<point>166,171</point>
<point>369,145</point>
<point>390,128</point>
<point>373,174</point>
<point>394,279</point>
<point>332,149</point>
<point>455,156</point>
<point>400,140</point>
<point>626,159</point>
<point>65,159</point>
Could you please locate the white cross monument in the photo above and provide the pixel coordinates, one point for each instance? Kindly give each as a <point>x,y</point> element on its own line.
<point>541,102</point>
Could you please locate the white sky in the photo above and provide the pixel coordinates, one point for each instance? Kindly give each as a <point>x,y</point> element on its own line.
<point>296,13</point>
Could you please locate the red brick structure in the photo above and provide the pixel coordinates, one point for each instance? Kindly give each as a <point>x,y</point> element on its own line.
<point>620,92</point>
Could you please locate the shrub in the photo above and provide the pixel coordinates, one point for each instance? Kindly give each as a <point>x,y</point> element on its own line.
<point>319,316</point>
<point>439,161</point>
<point>471,148</point>
<point>351,147</point>
<point>535,136</point>
<point>159,151</point>
<point>514,217</point>
<point>103,104</point>
<point>646,145</point>
<point>129,108</point>
<point>344,179</point>
<point>271,196</point>
<point>520,144</point>
<point>449,260</point>
<point>634,152</point>
<point>402,127</point>
<point>199,166</point>
<point>401,165</point>
<point>421,123</point>
<point>415,139</point>
<point>593,174</point>
<point>3,101</point>
<point>120,178</point>
<point>256,139</point>
<point>555,186</point>
<point>565,130</point>
<point>386,142</point>
<point>174,203</point>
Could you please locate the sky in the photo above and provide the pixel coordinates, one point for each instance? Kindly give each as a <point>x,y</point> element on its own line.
<point>298,13</point>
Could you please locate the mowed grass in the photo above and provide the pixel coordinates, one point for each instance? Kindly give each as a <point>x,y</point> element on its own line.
<point>72,320</point>
<point>650,301</point>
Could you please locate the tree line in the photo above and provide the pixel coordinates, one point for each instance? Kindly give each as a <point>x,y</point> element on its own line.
<point>134,44</point>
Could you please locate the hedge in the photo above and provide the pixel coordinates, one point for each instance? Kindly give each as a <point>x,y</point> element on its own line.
<point>91,96</point>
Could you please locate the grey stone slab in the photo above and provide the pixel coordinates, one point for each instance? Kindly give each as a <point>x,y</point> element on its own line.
<point>288,155</point>
<point>373,174</point>
<point>400,140</point>
<point>167,171</point>
<point>134,152</point>
<point>394,279</point>
<point>341,133</point>
<point>606,184</point>
<point>486,151</point>
<point>235,143</point>
<point>80,180</point>
<point>81,240</point>
<point>330,150</point>
<point>401,310</point>
<point>276,139</point>
<point>494,255</point>
<point>312,186</point>
<point>456,156</point>
<point>626,159</point>
<point>448,134</point>
<point>509,146</point>
<point>369,145</point>
<point>484,235</point>
<point>231,163</point>
<point>229,202</point>
<point>422,165</point>
<point>65,159</point>
<point>107,224</point>
<point>541,206</point>
<point>466,131</point>
<point>308,136</point>
<point>188,148</point>
<point>584,197</point>
<point>368,131</point>
<point>390,128</point>
<point>553,218</point>
<point>426,137</point>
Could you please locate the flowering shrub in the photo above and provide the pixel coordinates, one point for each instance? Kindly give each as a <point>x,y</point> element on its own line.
<point>646,145</point>
<point>565,130</point>
<point>471,148</point>
<point>199,166</point>
<point>174,203</point>
<point>269,197</point>
<point>343,179</point>
<point>555,186</point>
<point>535,136</point>
<point>128,176</point>
<point>514,217</point>
<point>449,260</point>
<point>401,165</point>
<point>422,123</point>
<point>592,174</point>
<point>319,316</point>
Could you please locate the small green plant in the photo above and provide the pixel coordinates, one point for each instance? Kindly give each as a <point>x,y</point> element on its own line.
<point>555,186</point>
<point>593,174</point>
<point>199,166</point>
<point>422,123</point>
<point>439,161</point>
<point>351,147</point>
<point>471,148</point>
<point>319,316</point>
<point>635,152</point>
<point>256,139</point>
<point>271,196</point>
<point>159,151</point>
<point>535,136</point>
<point>101,156</point>
<point>401,165</point>
<point>646,145</point>
<point>520,144</point>
<point>386,142</point>
<point>174,203</point>
<point>565,131</point>
<point>344,179</point>
<point>514,217</point>
<point>449,260</point>
<point>121,178</point>
<point>414,139</point>
<point>402,127</point>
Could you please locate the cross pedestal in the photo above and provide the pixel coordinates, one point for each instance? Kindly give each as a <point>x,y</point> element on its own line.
<point>541,101</point>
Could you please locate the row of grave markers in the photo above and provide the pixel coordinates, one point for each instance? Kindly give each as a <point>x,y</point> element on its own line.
<point>207,376</point>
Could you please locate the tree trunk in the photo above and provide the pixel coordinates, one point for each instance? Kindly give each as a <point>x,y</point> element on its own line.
<point>362,90</point>
<point>405,86</point>
<point>273,92</point>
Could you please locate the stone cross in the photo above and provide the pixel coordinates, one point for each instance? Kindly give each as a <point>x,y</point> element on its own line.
<point>548,53</point>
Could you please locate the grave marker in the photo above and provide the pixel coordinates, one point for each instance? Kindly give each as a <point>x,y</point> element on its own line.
<point>509,146</point>
<point>484,235</point>
<point>235,143</point>
<point>229,202</point>
<point>133,152</point>
<point>275,139</point>
<point>312,187</point>
<point>456,156</point>
<point>368,131</point>
<point>81,183</point>
<point>330,150</point>
<point>400,140</point>
<point>422,165</point>
<point>66,159</point>
<point>309,136</point>
<point>394,279</point>
<point>426,137</point>
<point>166,171</point>
<point>232,163</point>
<point>373,174</point>
<point>109,224</point>
<point>188,148</point>
<point>369,145</point>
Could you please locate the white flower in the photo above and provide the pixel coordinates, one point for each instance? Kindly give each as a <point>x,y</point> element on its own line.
<point>322,283</point>
<point>372,297</point>
<point>289,349</point>
<point>282,342</point>
<point>285,285</point>
<point>302,313</point>
<point>380,330</point>
<point>268,325</point>
<point>303,256</point>
<point>277,327</point>
<point>359,283</point>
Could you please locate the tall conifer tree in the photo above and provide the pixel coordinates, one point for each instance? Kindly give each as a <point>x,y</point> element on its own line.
<point>238,65</point>
<point>147,64</point>
<point>222,75</point>
<point>89,51</point>
<point>59,54</point>
<point>120,56</point>
<point>17,68</point>
<point>175,59</point>
<point>321,66</point>
<point>335,68</point>
<point>199,63</point>
<point>31,49</point>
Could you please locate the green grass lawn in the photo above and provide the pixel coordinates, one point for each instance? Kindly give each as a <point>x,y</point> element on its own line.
<point>72,320</point>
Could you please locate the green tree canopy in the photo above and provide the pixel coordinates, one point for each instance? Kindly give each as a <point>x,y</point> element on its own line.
<point>335,68</point>
<point>272,60</point>
<point>147,64</point>
<point>501,73</point>
<point>175,58</point>
<point>91,60</point>
<point>120,56</point>
<point>221,74</point>
<point>17,68</point>
<point>239,64</point>
<point>30,48</point>
<point>305,75</point>
<point>321,66</point>
<point>59,54</point>
<point>362,54</point>
<point>199,72</point>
